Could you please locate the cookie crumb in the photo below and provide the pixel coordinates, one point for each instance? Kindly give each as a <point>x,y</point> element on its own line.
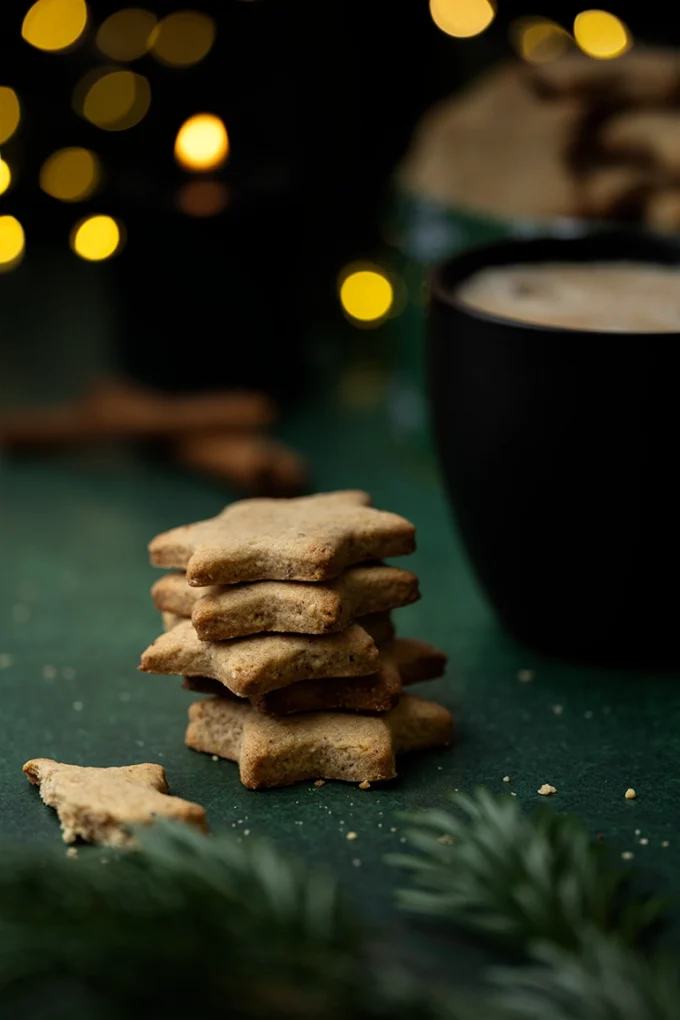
<point>49,672</point>
<point>6,660</point>
<point>558,709</point>
<point>447,839</point>
<point>644,841</point>
<point>320,782</point>
<point>78,706</point>
<point>638,832</point>
<point>215,757</point>
<point>512,793</point>
<point>356,862</point>
<point>72,851</point>
<point>246,832</point>
<point>393,828</point>
<point>525,675</point>
<point>665,843</point>
<point>546,790</point>
<point>365,785</point>
<point>627,855</point>
<point>351,835</point>
<point>630,793</point>
<point>506,779</point>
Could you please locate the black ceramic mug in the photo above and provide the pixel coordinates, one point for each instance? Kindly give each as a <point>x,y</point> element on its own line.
<point>560,452</point>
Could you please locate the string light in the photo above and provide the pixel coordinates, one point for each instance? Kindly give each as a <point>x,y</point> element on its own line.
<point>126,35</point>
<point>70,175</point>
<point>601,35</point>
<point>12,243</point>
<point>538,40</point>
<point>54,25</point>
<point>96,238</point>
<point>366,295</point>
<point>183,38</point>
<point>113,100</point>
<point>462,18</point>
<point>5,176</point>
<point>10,113</point>
<point>202,142</point>
<point>202,198</point>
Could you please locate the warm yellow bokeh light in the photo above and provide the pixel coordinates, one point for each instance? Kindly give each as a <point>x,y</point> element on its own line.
<point>366,295</point>
<point>54,24</point>
<point>202,198</point>
<point>126,35</point>
<point>5,176</point>
<point>462,18</point>
<point>539,40</point>
<point>96,238</point>
<point>183,38</point>
<point>601,35</point>
<point>70,175</point>
<point>113,100</point>
<point>10,113</point>
<point>12,242</point>
<point>202,142</point>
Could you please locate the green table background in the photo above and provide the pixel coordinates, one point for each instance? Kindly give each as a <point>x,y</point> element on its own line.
<point>75,614</point>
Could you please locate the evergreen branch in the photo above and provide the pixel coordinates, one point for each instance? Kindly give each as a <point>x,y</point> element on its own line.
<point>607,981</point>
<point>523,880</point>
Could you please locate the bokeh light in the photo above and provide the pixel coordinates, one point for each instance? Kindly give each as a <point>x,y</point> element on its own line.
<point>202,198</point>
<point>366,294</point>
<point>12,242</point>
<point>462,18</point>
<point>202,142</point>
<point>113,100</point>
<point>96,238</point>
<point>183,38</point>
<point>5,176</point>
<point>54,25</point>
<point>10,113</point>
<point>539,40</point>
<point>70,175</point>
<point>601,35</point>
<point>126,35</point>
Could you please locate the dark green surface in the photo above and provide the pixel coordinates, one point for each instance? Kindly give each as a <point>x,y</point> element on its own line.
<point>75,601</point>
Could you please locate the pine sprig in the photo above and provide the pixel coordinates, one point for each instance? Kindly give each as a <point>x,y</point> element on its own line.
<point>607,981</point>
<point>522,879</point>
<point>187,926</point>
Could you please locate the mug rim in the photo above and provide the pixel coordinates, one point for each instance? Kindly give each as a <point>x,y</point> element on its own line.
<point>627,245</point>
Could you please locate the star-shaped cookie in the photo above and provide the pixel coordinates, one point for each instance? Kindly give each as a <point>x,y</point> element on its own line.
<point>265,662</point>
<point>220,612</point>
<point>101,804</point>
<point>405,661</point>
<point>318,745</point>
<point>312,538</point>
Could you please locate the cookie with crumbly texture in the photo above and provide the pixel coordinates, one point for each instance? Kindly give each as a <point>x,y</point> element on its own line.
<point>311,538</point>
<point>101,804</point>
<point>319,745</point>
<point>405,661</point>
<point>289,607</point>
<point>265,662</point>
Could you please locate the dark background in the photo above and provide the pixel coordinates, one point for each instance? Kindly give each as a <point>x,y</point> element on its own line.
<point>319,99</point>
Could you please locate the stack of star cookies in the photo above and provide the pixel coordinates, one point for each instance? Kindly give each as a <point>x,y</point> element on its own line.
<point>282,614</point>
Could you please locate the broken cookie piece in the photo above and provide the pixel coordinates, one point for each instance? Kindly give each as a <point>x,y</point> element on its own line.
<point>330,745</point>
<point>100,805</point>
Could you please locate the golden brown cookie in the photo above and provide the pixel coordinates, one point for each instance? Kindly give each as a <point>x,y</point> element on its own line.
<point>227,611</point>
<point>404,662</point>
<point>255,665</point>
<point>320,745</point>
<point>101,804</point>
<point>311,538</point>
<point>252,463</point>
